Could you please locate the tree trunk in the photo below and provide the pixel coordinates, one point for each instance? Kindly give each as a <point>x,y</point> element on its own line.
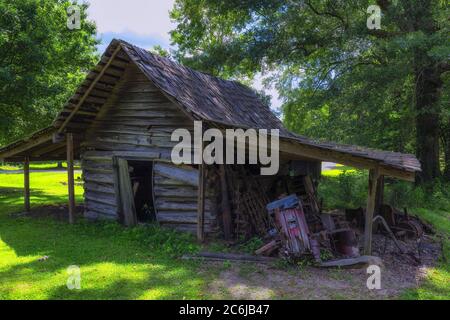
<point>428,85</point>
<point>446,146</point>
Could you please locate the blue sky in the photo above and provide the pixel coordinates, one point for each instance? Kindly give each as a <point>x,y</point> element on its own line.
<point>144,23</point>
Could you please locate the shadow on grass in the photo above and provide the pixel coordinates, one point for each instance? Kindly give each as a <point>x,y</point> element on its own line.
<point>114,263</point>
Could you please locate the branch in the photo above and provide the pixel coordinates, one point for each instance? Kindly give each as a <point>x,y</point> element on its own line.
<point>327,13</point>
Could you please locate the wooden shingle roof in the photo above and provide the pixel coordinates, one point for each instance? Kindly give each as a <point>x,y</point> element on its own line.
<point>204,97</point>
<point>209,98</point>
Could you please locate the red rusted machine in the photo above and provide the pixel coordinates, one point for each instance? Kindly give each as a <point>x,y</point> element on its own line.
<point>290,219</point>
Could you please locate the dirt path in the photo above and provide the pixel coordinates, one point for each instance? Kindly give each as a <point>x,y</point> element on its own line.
<point>259,281</point>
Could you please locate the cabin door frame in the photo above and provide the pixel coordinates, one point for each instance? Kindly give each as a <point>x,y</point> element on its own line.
<point>126,209</point>
<point>125,197</point>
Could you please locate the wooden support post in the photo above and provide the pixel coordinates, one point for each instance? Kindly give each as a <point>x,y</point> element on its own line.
<point>26,184</point>
<point>70,177</point>
<point>201,203</point>
<point>373,179</point>
<point>226,209</point>
<point>379,197</point>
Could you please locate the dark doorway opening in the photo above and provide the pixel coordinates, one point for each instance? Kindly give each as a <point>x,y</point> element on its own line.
<point>141,176</point>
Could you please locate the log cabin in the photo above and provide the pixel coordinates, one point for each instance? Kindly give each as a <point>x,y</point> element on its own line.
<point>119,123</point>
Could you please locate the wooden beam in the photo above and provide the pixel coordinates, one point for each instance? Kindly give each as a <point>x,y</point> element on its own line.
<point>317,153</point>
<point>70,177</point>
<point>201,203</point>
<point>50,148</point>
<point>374,174</point>
<point>226,209</point>
<point>302,151</point>
<point>26,145</point>
<point>91,86</point>
<point>26,183</point>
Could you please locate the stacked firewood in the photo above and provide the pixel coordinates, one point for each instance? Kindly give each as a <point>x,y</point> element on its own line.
<point>249,200</point>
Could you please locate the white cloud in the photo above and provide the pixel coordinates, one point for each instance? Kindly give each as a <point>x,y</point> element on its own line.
<point>141,17</point>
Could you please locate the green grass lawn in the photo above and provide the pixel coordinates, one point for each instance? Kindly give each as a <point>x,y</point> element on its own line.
<point>34,166</point>
<point>133,263</point>
<point>115,262</point>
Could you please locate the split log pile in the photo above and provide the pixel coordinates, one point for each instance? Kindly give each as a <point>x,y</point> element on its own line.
<point>249,200</point>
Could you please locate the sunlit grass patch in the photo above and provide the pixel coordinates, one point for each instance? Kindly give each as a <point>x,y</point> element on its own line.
<point>115,262</point>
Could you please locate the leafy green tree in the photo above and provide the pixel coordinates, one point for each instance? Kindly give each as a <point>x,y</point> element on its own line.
<point>41,62</point>
<point>339,79</point>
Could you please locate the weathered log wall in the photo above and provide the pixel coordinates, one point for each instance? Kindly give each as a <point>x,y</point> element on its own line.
<point>136,123</point>
<point>176,198</point>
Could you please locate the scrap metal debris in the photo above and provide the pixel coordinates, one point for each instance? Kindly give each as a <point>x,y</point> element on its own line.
<point>304,230</point>
<point>285,213</point>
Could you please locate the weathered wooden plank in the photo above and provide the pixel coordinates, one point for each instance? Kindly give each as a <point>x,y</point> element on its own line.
<point>97,156</point>
<point>102,163</point>
<point>177,217</point>
<point>124,114</point>
<point>105,198</point>
<point>178,192</point>
<point>356,161</point>
<point>108,170</point>
<point>94,215</point>
<point>28,144</point>
<point>111,146</point>
<point>40,151</point>
<point>111,121</point>
<point>164,205</point>
<point>99,187</point>
<point>98,177</point>
<point>95,100</point>
<point>164,181</point>
<point>126,193</point>
<point>188,176</point>
<point>127,96</point>
<point>135,141</point>
<point>106,208</point>
<point>108,79</point>
<point>153,105</point>
<point>97,77</point>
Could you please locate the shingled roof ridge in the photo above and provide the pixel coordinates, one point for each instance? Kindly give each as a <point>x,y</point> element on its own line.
<point>190,70</point>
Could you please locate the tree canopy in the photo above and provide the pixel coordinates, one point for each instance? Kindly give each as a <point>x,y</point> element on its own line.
<point>338,79</point>
<point>41,62</point>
